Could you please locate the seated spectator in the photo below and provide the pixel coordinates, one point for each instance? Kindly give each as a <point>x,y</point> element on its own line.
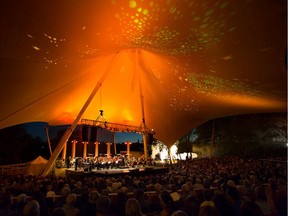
<point>6,203</point>
<point>198,184</point>
<point>58,212</point>
<point>65,191</point>
<point>32,208</point>
<point>50,192</point>
<point>233,198</point>
<point>103,206</point>
<point>261,200</point>
<point>174,193</point>
<point>78,190</point>
<point>208,195</point>
<point>206,184</point>
<point>280,202</point>
<point>19,203</point>
<point>69,208</point>
<point>208,211</point>
<point>167,203</point>
<point>89,208</point>
<point>179,213</point>
<point>38,195</point>
<point>222,205</point>
<point>250,192</point>
<point>118,207</point>
<point>145,204</point>
<point>50,197</point>
<point>83,199</point>
<point>231,183</point>
<point>249,208</point>
<point>154,198</point>
<point>185,192</point>
<point>133,208</point>
<point>114,188</point>
<point>105,192</point>
<point>190,206</point>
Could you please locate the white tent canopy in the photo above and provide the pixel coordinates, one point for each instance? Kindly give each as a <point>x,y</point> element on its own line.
<point>178,62</point>
<point>36,166</point>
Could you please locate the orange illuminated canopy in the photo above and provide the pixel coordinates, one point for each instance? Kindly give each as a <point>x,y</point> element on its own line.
<point>177,63</point>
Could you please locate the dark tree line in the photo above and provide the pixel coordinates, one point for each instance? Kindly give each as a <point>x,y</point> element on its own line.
<point>232,135</point>
<point>17,146</point>
<point>243,134</point>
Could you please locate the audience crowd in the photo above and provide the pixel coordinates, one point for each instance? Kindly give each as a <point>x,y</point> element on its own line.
<point>228,186</point>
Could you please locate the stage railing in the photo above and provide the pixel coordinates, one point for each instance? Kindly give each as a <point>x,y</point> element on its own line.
<point>14,169</point>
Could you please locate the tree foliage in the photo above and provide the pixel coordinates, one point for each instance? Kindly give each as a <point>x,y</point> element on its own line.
<point>17,146</point>
<point>185,143</point>
<point>238,134</point>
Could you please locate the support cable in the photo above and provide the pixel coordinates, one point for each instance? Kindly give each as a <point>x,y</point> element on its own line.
<point>70,129</point>
<point>48,139</point>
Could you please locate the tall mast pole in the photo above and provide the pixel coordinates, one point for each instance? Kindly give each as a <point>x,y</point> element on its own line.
<point>143,124</point>
<point>212,139</point>
<point>48,140</point>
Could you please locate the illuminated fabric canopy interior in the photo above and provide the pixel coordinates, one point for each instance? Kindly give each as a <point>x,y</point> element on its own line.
<point>189,60</point>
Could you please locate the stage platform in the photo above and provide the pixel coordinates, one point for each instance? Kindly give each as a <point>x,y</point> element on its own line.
<point>132,171</point>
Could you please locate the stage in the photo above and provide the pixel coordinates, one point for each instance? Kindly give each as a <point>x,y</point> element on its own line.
<point>121,171</point>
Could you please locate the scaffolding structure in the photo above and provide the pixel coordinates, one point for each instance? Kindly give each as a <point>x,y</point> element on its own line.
<point>115,127</point>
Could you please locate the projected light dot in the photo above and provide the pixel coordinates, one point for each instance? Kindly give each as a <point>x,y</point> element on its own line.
<point>232,29</point>
<point>145,11</point>
<point>209,12</point>
<point>203,26</point>
<point>223,5</point>
<point>36,48</point>
<point>132,4</point>
<point>172,10</point>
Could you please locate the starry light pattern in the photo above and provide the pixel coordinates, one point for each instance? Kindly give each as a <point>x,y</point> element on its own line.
<point>212,85</point>
<point>46,53</point>
<point>204,31</point>
<point>138,17</point>
<point>174,81</point>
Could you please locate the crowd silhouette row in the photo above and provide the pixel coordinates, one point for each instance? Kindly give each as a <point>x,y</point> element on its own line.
<point>228,186</point>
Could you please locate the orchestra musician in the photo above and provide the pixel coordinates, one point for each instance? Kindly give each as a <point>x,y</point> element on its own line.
<point>76,164</point>
<point>107,162</point>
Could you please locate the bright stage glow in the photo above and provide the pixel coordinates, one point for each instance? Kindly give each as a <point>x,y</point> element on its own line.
<point>174,155</point>
<point>161,149</point>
